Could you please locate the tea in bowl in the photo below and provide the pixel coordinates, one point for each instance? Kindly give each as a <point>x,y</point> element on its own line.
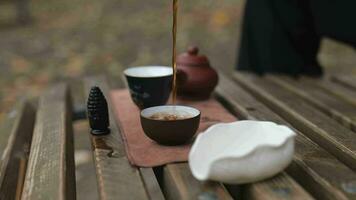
<point>170,124</point>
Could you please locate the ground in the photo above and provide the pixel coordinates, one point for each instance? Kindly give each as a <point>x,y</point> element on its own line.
<point>68,39</point>
<point>71,38</point>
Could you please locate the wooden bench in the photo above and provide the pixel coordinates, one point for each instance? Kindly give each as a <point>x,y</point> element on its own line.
<point>37,153</point>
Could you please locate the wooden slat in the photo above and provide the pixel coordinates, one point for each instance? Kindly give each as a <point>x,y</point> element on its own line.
<point>312,165</point>
<point>151,183</point>
<point>51,171</point>
<point>15,139</point>
<point>179,183</point>
<point>340,91</point>
<point>339,110</point>
<point>279,187</point>
<point>346,80</point>
<point>116,177</point>
<point>323,130</point>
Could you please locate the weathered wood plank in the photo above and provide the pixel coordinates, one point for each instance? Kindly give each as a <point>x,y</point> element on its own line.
<point>339,110</point>
<point>340,91</point>
<point>15,139</point>
<point>179,183</point>
<point>116,177</point>
<point>50,172</point>
<point>279,187</point>
<point>151,183</point>
<point>312,165</point>
<point>346,80</point>
<point>323,130</point>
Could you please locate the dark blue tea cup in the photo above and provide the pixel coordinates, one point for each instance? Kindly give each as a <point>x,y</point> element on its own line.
<point>149,85</point>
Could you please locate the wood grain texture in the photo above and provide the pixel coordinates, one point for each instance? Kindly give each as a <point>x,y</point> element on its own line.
<point>323,130</point>
<point>15,139</point>
<point>346,80</point>
<point>51,171</point>
<point>179,183</point>
<point>339,110</point>
<point>151,184</point>
<point>279,187</point>
<point>116,177</point>
<point>311,165</point>
<point>344,93</point>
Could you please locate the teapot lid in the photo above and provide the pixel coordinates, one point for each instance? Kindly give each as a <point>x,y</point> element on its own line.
<point>191,57</point>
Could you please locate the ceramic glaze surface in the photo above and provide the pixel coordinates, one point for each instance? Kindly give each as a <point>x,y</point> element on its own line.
<point>197,79</point>
<point>241,152</point>
<point>170,132</point>
<point>149,85</point>
<point>149,71</point>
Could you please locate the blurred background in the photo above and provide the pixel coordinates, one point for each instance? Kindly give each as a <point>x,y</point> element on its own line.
<point>44,41</point>
<point>71,38</point>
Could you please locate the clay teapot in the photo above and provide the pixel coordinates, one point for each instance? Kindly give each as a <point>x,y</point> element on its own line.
<point>196,79</point>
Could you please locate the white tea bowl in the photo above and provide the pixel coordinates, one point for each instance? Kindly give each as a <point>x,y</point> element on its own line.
<point>241,152</point>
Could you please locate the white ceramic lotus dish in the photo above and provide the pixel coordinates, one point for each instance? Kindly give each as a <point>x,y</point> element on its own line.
<point>241,152</point>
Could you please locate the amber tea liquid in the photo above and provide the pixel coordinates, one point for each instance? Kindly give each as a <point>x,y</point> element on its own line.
<point>174,52</point>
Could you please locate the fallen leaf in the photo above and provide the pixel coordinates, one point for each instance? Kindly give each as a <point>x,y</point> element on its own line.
<point>220,18</point>
<point>19,64</point>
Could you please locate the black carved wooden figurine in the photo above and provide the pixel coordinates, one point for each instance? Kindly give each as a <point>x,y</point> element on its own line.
<point>98,112</point>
